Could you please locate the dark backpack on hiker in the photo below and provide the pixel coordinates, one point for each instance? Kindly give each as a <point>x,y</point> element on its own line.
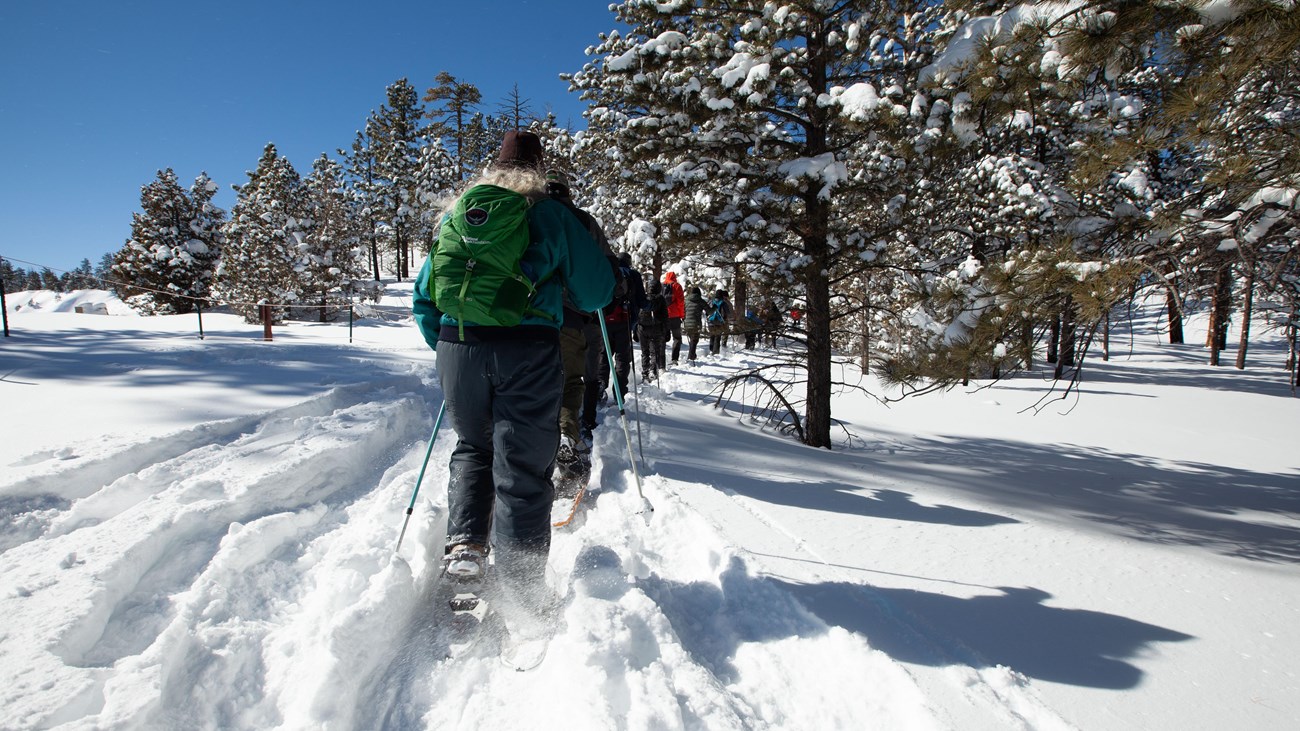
<point>476,272</point>
<point>654,318</point>
<point>616,313</point>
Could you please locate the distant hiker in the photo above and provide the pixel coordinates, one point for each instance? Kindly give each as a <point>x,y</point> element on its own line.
<point>652,329</point>
<point>502,382</point>
<point>719,319</point>
<point>694,316</point>
<point>620,318</point>
<point>676,312</point>
<point>771,322</point>
<point>751,324</point>
<point>796,315</point>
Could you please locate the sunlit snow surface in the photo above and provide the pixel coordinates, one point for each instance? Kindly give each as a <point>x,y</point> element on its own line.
<point>199,534</point>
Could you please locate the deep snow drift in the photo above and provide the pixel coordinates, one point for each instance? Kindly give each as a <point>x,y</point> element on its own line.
<point>200,533</point>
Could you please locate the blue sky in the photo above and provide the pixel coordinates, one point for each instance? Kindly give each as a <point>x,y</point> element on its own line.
<point>96,97</point>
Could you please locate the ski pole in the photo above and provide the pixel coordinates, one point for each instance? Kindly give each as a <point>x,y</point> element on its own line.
<point>428,451</point>
<point>622,412</point>
<point>635,381</point>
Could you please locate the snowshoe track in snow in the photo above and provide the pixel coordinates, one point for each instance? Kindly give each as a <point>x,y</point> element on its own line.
<point>186,557</point>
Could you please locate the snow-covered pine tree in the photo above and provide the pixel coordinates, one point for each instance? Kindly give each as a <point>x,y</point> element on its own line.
<point>363,191</point>
<point>436,182</point>
<point>50,280</point>
<point>104,270</point>
<point>259,263</point>
<point>83,277</point>
<point>1009,210</point>
<point>453,104</point>
<point>397,136</point>
<point>208,229</point>
<point>775,119</point>
<point>166,267</point>
<point>11,276</point>
<point>329,255</point>
<point>1214,141</point>
<point>483,136</point>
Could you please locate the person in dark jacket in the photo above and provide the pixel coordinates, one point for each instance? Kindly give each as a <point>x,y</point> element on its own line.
<point>694,315</point>
<point>503,385</point>
<point>719,321</point>
<point>772,322</point>
<point>652,331</point>
<point>620,319</point>
<point>750,324</point>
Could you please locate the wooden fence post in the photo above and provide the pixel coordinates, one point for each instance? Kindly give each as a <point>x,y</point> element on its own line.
<point>266,321</point>
<point>4,308</point>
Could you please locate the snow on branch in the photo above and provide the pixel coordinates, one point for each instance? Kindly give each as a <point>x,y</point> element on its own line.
<point>662,45</point>
<point>823,169</point>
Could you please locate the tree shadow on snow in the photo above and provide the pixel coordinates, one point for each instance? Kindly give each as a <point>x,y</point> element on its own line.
<point>816,492</point>
<point>1013,627</point>
<point>1231,511</point>
<point>1187,366</point>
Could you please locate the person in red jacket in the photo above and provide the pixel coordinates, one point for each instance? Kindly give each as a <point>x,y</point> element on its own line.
<point>676,311</point>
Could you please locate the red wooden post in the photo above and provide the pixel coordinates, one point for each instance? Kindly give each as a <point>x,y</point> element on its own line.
<point>266,322</point>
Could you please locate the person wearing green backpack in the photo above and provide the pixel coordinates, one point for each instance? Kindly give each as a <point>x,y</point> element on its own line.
<point>489,300</point>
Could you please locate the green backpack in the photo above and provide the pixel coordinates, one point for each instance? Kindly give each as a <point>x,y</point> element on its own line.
<point>476,273</point>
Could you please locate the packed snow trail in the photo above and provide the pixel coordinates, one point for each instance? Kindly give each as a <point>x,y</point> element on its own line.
<point>240,574</point>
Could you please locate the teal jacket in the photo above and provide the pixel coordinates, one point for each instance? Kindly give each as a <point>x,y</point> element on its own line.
<point>562,255</point>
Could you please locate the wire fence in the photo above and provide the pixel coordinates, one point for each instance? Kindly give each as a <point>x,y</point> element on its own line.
<point>265,310</point>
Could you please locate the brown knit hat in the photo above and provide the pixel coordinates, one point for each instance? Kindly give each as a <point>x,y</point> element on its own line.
<point>520,149</point>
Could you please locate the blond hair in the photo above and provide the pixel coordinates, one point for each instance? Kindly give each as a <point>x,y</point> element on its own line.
<point>528,182</point>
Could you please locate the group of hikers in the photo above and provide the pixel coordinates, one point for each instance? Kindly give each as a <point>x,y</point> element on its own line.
<point>666,312</point>
<point>520,336</point>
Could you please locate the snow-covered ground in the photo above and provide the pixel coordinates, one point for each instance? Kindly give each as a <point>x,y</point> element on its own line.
<point>200,533</point>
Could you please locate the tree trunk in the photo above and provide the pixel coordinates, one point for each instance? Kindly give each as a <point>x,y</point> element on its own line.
<point>1175,317</point>
<point>1217,334</point>
<point>1027,344</point>
<point>399,251</point>
<point>1247,306</point>
<point>740,297</point>
<point>1105,337</point>
<point>1054,338</point>
<point>1295,360</point>
<point>865,365</point>
<point>817,430</point>
<point>814,233</point>
<point>1066,357</point>
<point>1291,339</point>
<point>818,331</point>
